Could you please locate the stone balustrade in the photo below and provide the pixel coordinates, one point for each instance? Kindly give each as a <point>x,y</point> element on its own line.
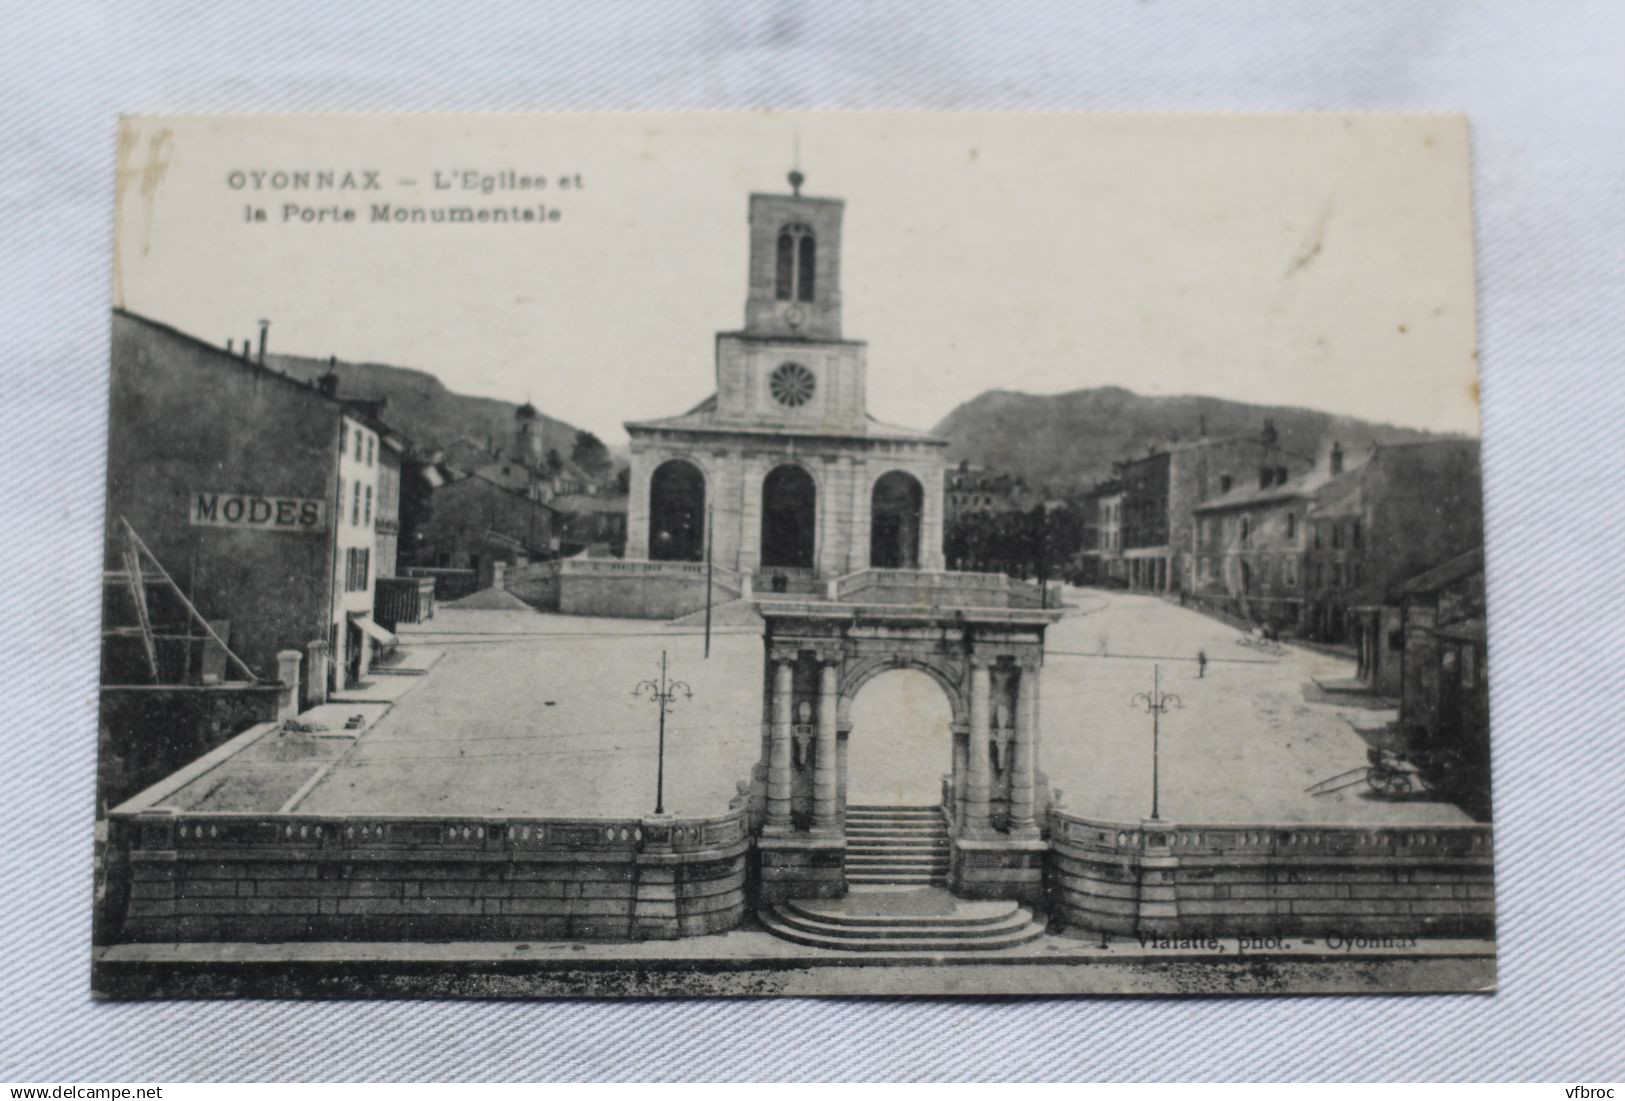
<point>230,876</point>
<point>1184,879</point>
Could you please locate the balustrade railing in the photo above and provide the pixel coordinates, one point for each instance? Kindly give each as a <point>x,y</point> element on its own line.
<point>191,831</point>
<point>1282,839</point>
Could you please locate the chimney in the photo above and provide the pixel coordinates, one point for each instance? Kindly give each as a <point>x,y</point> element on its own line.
<point>328,384</point>
<point>229,349</point>
<point>265,327</point>
<point>1337,457</point>
<point>248,348</point>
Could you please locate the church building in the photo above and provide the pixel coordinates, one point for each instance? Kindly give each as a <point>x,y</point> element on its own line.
<point>799,482</point>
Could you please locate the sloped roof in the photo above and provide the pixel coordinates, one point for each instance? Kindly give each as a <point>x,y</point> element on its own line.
<point>1308,484</point>
<point>1445,573</point>
<point>703,418</point>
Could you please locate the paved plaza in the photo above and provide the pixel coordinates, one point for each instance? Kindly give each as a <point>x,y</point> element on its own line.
<point>534,714</point>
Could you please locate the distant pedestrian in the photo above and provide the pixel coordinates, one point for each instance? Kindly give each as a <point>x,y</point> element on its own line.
<point>1201,664</point>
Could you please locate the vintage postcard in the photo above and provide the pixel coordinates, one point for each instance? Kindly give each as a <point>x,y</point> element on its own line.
<point>753,554</point>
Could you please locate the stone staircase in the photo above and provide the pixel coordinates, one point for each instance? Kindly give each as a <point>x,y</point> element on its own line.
<point>896,846</point>
<point>908,919</point>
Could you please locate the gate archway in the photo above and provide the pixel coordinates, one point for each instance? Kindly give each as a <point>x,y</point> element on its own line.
<point>900,739</point>
<point>987,663</point>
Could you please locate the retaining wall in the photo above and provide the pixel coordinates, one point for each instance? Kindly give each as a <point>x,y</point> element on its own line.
<point>271,877</point>
<point>1190,880</point>
<point>149,731</point>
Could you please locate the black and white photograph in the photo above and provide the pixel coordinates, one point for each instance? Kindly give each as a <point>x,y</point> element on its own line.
<point>753,554</point>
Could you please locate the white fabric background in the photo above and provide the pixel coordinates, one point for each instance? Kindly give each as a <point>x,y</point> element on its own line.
<point>1542,83</point>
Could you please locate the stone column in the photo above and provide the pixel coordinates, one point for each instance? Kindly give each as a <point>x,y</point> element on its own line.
<point>778,750</point>
<point>931,523</point>
<point>1021,757</point>
<point>978,773</point>
<point>287,673</point>
<point>637,505</point>
<point>824,815</point>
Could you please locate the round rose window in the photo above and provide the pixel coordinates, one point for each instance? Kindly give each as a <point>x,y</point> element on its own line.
<point>792,385</point>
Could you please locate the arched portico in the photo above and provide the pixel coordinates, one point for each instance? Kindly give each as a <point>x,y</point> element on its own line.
<point>896,513</point>
<point>789,518</point>
<point>677,512</point>
<point>987,662</point>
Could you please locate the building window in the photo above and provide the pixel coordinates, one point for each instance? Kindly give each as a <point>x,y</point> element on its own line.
<point>355,507</point>
<point>797,264</point>
<point>370,442</point>
<point>1246,530</point>
<point>1224,483</point>
<point>369,505</point>
<point>1291,524</point>
<point>357,565</point>
<point>1355,537</point>
<point>1317,537</point>
<point>358,435</point>
<point>1289,572</point>
<point>1337,535</point>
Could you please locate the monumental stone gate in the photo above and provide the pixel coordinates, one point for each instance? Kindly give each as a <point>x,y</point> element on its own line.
<point>988,663</point>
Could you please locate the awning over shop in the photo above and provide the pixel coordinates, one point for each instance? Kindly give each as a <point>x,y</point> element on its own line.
<point>373,631</point>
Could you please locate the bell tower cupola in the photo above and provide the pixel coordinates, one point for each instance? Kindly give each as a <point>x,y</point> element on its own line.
<point>795,265</point>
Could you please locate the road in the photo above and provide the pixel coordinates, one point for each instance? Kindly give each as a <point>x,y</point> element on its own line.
<point>535,714</point>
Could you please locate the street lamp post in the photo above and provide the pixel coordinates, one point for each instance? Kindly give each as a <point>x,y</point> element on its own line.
<point>663,692</point>
<point>1157,703</point>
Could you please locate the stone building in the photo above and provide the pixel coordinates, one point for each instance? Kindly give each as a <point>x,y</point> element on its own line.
<point>1406,509</point>
<point>783,464</point>
<point>1162,489</point>
<point>265,496</point>
<point>468,523</point>
<point>1100,556</point>
<point>1250,544</point>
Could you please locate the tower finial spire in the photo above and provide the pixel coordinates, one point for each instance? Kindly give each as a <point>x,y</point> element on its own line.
<point>796,178</point>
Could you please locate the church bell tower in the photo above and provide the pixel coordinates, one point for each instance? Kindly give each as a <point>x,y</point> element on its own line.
<point>795,265</point>
<point>789,367</point>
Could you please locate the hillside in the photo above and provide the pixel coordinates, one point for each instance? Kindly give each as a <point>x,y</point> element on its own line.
<point>421,406</point>
<point>1070,440</point>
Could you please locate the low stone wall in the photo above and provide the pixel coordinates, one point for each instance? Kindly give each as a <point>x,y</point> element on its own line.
<point>275,877</point>
<point>537,584</point>
<point>147,732</point>
<point>624,588</point>
<point>1267,880</point>
<point>449,584</point>
<point>941,589</point>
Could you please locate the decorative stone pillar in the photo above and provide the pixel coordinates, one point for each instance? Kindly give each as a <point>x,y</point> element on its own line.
<point>978,778</point>
<point>824,815</point>
<point>1022,822</point>
<point>778,750</point>
<point>287,674</point>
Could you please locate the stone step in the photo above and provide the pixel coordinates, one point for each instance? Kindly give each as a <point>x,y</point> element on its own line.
<point>871,907</point>
<point>905,833</point>
<point>842,939</point>
<point>875,808</point>
<point>896,879</point>
<point>896,860</point>
<point>895,846</point>
<point>893,815</point>
<point>887,827</point>
<point>892,931</point>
